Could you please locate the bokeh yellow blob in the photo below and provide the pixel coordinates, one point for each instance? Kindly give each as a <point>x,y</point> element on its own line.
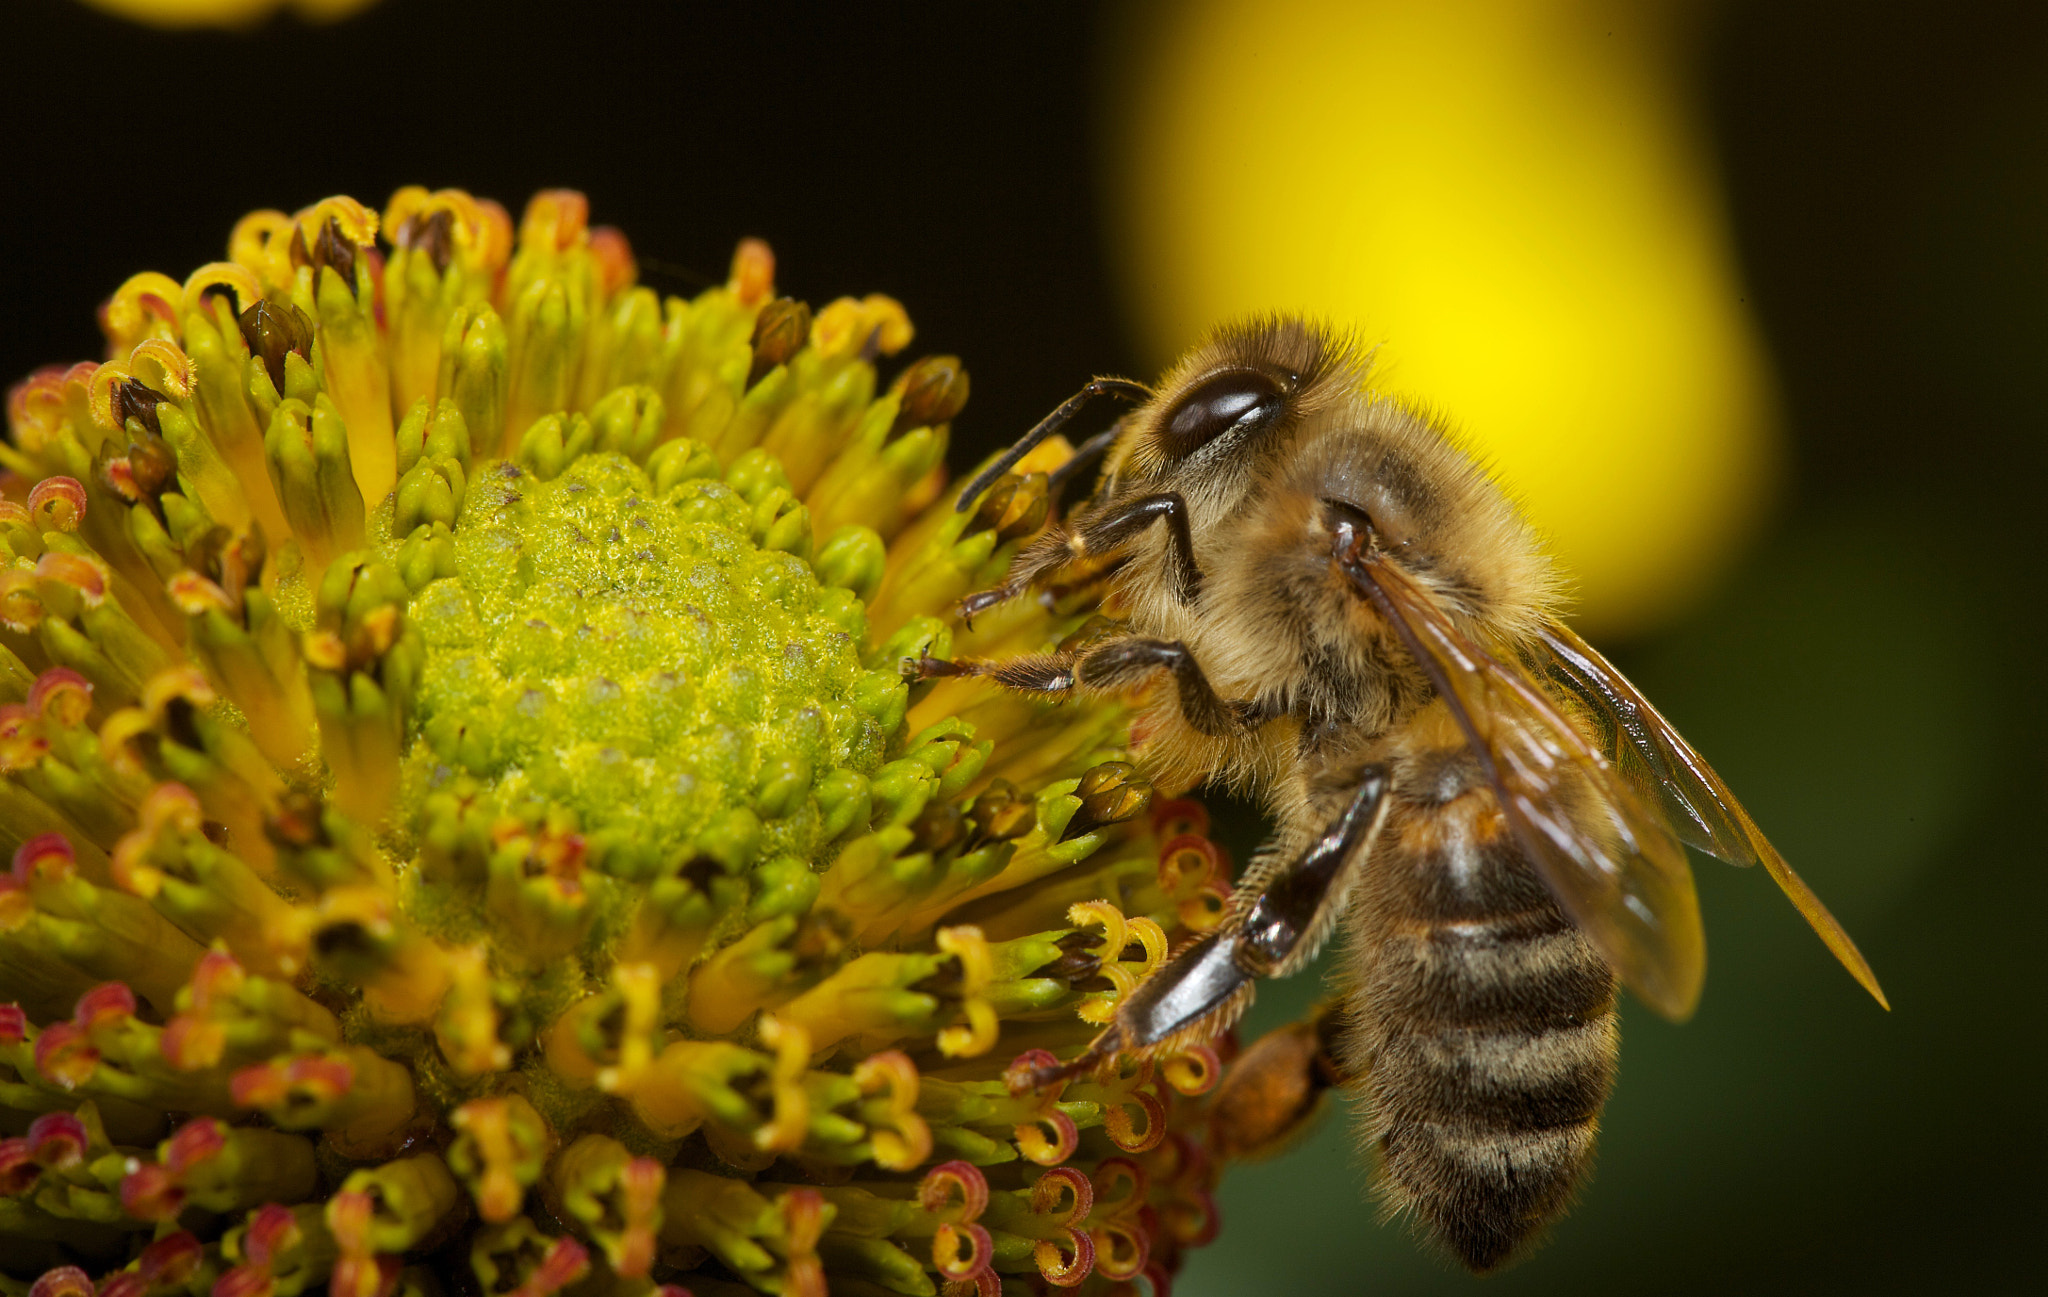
<point>226,13</point>
<point>1509,197</point>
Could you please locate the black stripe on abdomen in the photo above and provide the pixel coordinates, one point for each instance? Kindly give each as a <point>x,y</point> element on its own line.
<point>1485,1025</point>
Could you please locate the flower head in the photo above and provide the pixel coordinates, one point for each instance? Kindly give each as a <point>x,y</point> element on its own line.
<point>467,811</point>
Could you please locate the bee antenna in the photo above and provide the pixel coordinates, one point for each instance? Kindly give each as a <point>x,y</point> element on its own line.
<point>1046,427</point>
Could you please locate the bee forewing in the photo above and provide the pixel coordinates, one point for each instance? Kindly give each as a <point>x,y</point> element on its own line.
<point>1605,851</point>
<point>1658,760</point>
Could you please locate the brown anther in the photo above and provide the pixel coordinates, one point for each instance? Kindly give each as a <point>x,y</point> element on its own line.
<point>297,821</point>
<point>1002,814</point>
<point>151,465</point>
<point>1015,506</point>
<point>431,233</point>
<point>1103,777</point>
<point>233,563</point>
<point>273,330</point>
<point>138,401</point>
<point>1079,959</point>
<point>780,331</point>
<point>203,553</point>
<point>330,247</point>
<point>932,391</point>
<point>1110,794</point>
<point>940,828</point>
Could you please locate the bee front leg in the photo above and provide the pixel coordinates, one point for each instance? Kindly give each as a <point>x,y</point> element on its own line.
<point>1108,528</point>
<point>1049,553</point>
<point>1086,456</point>
<point>1203,989</point>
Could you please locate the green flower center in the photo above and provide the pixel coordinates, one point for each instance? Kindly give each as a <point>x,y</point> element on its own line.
<point>631,655</point>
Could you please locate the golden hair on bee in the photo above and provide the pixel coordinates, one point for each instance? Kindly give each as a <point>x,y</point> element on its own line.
<point>1315,593</point>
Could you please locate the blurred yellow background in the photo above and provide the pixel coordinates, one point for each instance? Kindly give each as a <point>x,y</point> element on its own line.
<point>1511,198</point>
<point>226,13</point>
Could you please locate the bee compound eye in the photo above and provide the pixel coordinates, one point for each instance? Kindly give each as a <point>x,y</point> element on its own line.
<point>1235,400</point>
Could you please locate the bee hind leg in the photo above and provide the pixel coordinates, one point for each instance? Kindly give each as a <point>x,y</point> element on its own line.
<point>1194,996</point>
<point>1286,922</point>
<point>1203,989</point>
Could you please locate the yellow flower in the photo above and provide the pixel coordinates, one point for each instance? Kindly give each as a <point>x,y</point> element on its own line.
<point>470,826</point>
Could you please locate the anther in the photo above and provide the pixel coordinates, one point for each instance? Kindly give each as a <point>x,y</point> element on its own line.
<point>273,330</point>
<point>932,391</point>
<point>780,331</point>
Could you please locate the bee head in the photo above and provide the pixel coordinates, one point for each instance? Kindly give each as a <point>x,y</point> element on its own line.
<point>1230,406</point>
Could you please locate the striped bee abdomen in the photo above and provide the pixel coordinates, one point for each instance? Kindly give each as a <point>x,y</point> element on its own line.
<point>1482,1027</point>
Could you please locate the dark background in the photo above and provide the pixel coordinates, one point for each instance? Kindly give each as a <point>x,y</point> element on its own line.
<point>937,153</point>
<point>1870,678</point>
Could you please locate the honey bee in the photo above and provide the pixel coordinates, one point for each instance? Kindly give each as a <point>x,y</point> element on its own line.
<point>1343,612</point>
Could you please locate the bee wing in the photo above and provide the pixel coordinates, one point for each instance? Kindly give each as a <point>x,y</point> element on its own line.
<point>1606,852</point>
<point>1658,762</point>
